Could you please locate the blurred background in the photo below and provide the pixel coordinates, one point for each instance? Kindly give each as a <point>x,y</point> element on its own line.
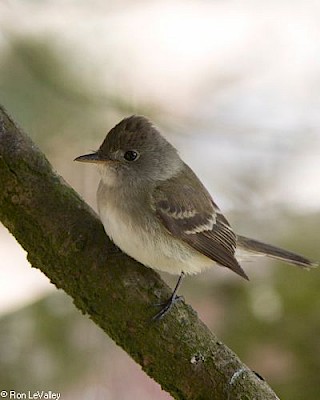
<point>235,86</point>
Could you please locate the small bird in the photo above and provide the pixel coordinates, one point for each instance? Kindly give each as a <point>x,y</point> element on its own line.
<point>156,210</point>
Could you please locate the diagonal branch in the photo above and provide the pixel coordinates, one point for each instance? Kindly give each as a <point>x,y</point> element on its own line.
<point>66,241</point>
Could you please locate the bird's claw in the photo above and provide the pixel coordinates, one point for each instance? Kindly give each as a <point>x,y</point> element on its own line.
<point>166,307</point>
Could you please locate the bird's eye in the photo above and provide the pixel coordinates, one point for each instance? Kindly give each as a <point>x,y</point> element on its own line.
<point>131,155</point>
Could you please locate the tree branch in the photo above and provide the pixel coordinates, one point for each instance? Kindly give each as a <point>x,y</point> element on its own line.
<point>66,241</point>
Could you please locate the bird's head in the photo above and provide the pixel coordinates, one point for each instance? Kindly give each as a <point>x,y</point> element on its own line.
<point>134,152</point>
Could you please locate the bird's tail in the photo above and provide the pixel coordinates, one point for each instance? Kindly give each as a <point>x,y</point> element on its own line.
<point>259,248</point>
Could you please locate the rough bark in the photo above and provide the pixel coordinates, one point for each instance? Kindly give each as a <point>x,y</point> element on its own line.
<point>66,241</point>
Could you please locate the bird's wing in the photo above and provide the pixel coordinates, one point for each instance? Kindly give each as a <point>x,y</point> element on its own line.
<point>189,213</point>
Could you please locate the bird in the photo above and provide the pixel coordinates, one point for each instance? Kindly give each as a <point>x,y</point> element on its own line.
<point>156,210</point>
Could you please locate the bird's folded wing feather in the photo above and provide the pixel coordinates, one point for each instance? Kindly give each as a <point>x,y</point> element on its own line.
<point>189,213</point>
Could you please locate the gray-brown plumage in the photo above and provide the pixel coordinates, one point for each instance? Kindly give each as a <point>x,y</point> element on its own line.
<point>190,214</point>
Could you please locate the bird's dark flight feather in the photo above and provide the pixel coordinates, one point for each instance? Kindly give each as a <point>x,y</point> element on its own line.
<point>190,214</point>
<point>254,246</point>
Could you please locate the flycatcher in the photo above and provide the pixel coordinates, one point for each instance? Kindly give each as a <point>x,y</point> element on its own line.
<point>156,210</point>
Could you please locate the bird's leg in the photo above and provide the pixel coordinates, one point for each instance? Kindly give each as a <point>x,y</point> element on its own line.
<point>171,301</point>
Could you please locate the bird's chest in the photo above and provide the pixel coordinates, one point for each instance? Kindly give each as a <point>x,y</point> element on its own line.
<point>139,234</point>
<point>130,229</point>
<point>122,229</point>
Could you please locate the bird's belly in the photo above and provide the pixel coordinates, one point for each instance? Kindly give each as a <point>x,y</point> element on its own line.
<point>151,245</point>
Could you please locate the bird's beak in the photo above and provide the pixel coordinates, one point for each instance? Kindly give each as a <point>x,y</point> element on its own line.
<point>90,158</point>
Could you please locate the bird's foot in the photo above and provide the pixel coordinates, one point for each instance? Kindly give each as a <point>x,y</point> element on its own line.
<point>174,298</point>
<point>166,307</point>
